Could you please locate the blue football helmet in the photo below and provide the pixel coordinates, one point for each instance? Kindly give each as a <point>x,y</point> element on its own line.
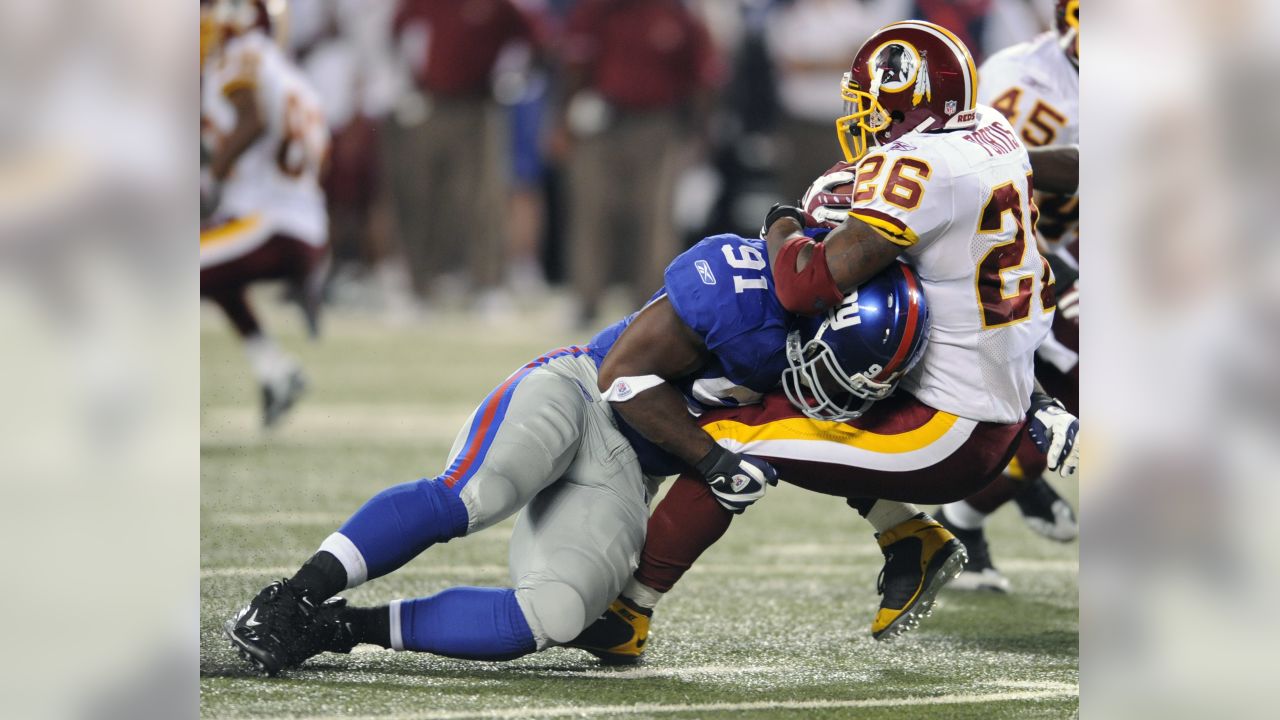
<point>841,362</point>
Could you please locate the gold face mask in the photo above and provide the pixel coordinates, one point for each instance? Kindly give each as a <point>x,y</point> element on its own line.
<point>864,117</point>
<point>1071,43</point>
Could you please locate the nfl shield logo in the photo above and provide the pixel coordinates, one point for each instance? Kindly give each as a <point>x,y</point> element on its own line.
<point>950,107</point>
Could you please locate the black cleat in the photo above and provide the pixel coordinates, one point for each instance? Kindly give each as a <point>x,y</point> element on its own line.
<point>920,558</point>
<point>279,396</point>
<point>277,629</point>
<point>1047,512</point>
<point>331,633</point>
<point>979,573</point>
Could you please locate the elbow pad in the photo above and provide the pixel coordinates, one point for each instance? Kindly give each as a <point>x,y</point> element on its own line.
<point>809,291</point>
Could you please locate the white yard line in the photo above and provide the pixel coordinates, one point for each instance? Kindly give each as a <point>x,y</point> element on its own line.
<point>324,423</point>
<point>1032,691</point>
<point>642,673</point>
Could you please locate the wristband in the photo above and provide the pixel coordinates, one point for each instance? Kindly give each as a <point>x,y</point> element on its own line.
<point>707,465</point>
<point>626,388</point>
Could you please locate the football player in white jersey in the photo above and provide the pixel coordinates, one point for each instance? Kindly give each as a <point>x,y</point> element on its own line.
<point>1036,85</point>
<point>263,208</point>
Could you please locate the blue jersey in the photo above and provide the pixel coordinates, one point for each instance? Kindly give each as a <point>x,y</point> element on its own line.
<point>721,288</point>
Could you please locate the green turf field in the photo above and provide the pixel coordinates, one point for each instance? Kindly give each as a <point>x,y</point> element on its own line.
<point>773,622</point>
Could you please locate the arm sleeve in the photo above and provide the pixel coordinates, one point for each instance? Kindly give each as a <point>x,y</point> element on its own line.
<point>809,291</point>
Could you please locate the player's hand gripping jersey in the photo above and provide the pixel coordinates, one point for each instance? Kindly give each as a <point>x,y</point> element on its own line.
<point>959,203</point>
<point>721,289</point>
<point>276,181</point>
<point>1037,87</point>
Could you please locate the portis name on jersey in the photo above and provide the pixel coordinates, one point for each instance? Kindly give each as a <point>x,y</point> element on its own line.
<point>995,139</point>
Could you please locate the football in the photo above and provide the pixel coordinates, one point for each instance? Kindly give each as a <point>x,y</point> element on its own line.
<point>829,198</point>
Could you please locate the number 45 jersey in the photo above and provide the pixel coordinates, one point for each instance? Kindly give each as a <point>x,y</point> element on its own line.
<point>1037,88</point>
<point>959,204</point>
<point>276,181</point>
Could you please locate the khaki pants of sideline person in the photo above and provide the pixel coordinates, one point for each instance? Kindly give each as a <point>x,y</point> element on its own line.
<point>450,191</point>
<point>621,185</point>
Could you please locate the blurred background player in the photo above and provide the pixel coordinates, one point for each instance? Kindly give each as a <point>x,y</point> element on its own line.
<point>263,210</point>
<point>1036,85</point>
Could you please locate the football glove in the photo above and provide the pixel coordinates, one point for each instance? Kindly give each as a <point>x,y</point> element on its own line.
<point>776,213</point>
<point>827,201</point>
<point>1053,430</point>
<point>736,480</point>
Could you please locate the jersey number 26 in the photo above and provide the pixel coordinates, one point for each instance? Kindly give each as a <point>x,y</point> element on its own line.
<point>1005,265</point>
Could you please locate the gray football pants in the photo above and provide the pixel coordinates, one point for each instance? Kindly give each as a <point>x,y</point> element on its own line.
<point>557,453</point>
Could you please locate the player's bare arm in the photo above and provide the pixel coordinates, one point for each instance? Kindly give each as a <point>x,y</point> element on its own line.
<point>1056,169</point>
<point>250,125</point>
<point>856,252</point>
<point>658,343</point>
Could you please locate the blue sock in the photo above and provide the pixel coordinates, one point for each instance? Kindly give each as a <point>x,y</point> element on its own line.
<point>400,522</point>
<point>466,622</point>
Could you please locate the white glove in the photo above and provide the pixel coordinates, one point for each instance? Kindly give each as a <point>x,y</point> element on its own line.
<point>1054,430</point>
<point>827,201</point>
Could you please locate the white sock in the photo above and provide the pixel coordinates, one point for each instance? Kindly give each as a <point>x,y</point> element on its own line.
<point>397,636</point>
<point>266,358</point>
<point>641,594</point>
<point>886,514</point>
<point>964,516</point>
<point>341,547</point>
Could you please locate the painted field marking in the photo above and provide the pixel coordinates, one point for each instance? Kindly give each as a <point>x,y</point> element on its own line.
<point>1032,691</point>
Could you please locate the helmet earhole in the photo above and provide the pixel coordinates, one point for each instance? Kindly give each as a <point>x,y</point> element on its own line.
<point>897,116</point>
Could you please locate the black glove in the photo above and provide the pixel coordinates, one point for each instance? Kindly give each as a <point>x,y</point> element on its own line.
<point>736,480</point>
<point>779,211</point>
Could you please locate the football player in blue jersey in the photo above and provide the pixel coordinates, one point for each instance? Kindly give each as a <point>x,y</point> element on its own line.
<point>575,438</point>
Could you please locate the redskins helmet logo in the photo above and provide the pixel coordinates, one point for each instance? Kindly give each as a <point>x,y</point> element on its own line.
<point>897,65</point>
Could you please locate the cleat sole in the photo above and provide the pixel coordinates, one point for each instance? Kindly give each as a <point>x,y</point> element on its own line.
<point>247,651</point>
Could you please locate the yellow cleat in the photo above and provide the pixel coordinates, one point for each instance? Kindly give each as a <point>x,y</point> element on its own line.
<point>618,636</point>
<point>920,557</point>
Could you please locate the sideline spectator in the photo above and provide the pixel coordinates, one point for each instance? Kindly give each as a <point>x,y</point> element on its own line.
<point>448,150</point>
<point>637,86</point>
<point>812,43</point>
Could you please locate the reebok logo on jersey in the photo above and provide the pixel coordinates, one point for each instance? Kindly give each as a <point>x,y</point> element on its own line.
<point>704,271</point>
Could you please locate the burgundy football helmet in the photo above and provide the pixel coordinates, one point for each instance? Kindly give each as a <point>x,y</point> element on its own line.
<point>1068,17</point>
<point>911,76</point>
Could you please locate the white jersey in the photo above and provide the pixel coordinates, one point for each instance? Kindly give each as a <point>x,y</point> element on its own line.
<point>1037,88</point>
<point>275,183</point>
<point>958,203</point>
